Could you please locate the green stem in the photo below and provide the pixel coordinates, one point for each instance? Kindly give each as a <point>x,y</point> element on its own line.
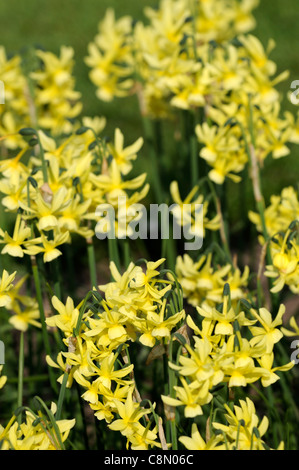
<point>29,379</point>
<point>43,318</point>
<point>256,177</point>
<point>91,293</point>
<point>168,248</point>
<point>61,396</point>
<point>21,374</point>
<point>259,293</point>
<point>56,277</point>
<point>194,14</point>
<point>166,392</point>
<point>150,139</point>
<point>44,163</point>
<point>92,263</point>
<point>113,251</point>
<point>172,383</point>
<point>223,229</point>
<point>126,250</point>
<point>3,227</point>
<point>165,369</point>
<point>84,423</point>
<point>173,435</point>
<point>194,160</point>
<point>70,270</point>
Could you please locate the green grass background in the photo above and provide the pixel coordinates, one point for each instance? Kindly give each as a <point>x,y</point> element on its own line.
<point>72,22</point>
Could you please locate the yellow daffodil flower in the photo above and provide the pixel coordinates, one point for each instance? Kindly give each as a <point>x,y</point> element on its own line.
<point>20,234</point>
<point>67,316</point>
<point>49,247</point>
<point>196,442</point>
<point>191,399</point>
<point>124,156</point>
<point>267,334</point>
<point>129,413</point>
<point>241,424</point>
<point>6,283</point>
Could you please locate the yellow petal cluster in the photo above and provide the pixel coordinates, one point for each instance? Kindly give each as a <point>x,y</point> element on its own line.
<point>36,432</point>
<point>184,59</point>
<point>281,220</point>
<point>162,55</point>
<point>284,270</point>
<point>22,308</point>
<point>80,177</point>
<point>242,430</point>
<point>134,308</point>
<point>192,212</point>
<point>203,281</point>
<point>44,96</point>
<point>229,345</point>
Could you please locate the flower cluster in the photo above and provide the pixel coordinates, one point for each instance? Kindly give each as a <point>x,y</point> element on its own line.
<point>281,220</point>
<point>191,213</point>
<point>185,59</point>
<point>135,308</point>
<point>22,307</point>
<point>203,283</point>
<point>120,195</point>
<point>282,210</point>
<point>15,110</point>
<point>242,431</point>
<point>244,118</point>
<point>285,262</point>
<point>110,51</point>
<point>198,320</point>
<point>163,54</point>
<point>56,194</point>
<point>44,97</point>
<point>36,432</point>
<point>230,346</point>
<point>55,99</point>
